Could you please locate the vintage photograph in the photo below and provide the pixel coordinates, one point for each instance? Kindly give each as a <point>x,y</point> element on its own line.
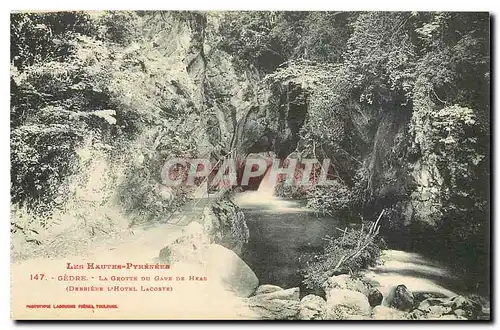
<point>250,165</point>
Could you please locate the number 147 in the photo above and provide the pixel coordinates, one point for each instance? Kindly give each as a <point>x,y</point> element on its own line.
<point>37,277</point>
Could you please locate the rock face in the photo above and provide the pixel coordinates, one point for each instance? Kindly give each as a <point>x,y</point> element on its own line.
<point>278,305</point>
<point>248,111</point>
<point>312,307</point>
<point>224,223</point>
<point>342,303</point>
<point>402,298</point>
<point>375,297</point>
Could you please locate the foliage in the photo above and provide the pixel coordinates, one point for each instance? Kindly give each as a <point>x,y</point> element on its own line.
<point>37,37</point>
<point>320,267</point>
<point>335,199</point>
<point>380,56</point>
<point>59,95</point>
<point>325,35</point>
<point>450,131</point>
<point>290,191</point>
<point>87,78</point>
<point>262,39</point>
<point>88,83</point>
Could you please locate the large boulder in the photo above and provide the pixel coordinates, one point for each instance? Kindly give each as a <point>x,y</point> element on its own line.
<point>340,303</point>
<point>224,223</point>
<point>346,282</point>
<point>460,313</point>
<point>312,307</point>
<point>187,247</point>
<point>234,273</point>
<point>278,305</point>
<point>357,318</point>
<point>401,298</point>
<point>375,297</point>
<point>387,313</point>
<point>288,294</point>
<point>218,263</point>
<point>417,314</point>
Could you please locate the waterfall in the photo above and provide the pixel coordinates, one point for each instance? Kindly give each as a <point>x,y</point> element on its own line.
<point>266,187</point>
<point>264,199</point>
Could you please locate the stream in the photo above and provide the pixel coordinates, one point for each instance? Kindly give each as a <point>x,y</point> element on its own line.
<point>282,231</point>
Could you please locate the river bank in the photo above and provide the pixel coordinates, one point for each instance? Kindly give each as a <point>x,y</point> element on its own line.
<point>283,231</point>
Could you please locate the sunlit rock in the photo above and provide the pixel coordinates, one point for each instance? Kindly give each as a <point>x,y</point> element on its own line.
<point>278,305</point>
<point>342,302</point>
<point>267,288</point>
<point>347,282</point>
<point>312,307</point>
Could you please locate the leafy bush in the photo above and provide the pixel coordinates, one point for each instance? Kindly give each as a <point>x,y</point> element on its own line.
<point>290,191</point>
<point>335,199</point>
<point>261,39</point>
